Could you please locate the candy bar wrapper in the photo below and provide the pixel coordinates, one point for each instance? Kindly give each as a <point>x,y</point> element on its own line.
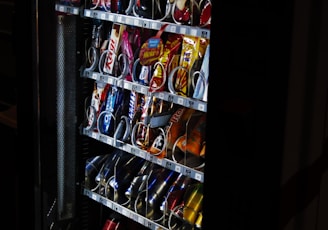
<point>127,50</point>
<point>201,87</point>
<point>192,49</point>
<point>113,47</point>
<point>152,49</point>
<point>172,46</point>
<point>98,96</point>
<point>177,125</point>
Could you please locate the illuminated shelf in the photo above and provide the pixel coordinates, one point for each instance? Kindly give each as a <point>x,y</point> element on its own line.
<point>166,96</point>
<point>123,210</point>
<point>164,162</point>
<point>147,23</point>
<point>68,9</point>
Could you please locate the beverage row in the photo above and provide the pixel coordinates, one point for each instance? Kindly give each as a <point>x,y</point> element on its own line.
<point>164,196</point>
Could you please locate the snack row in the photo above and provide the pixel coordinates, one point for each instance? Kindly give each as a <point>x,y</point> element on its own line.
<point>185,12</point>
<point>163,61</point>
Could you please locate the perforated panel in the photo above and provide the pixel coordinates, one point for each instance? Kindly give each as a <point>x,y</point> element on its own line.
<point>66,110</point>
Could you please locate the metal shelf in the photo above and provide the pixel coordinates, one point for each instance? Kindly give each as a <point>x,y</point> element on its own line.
<point>123,210</point>
<point>147,23</point>
<point>68,9</point>
<point>196,104</point>
<point>166,96</point>
<point>164,162</point>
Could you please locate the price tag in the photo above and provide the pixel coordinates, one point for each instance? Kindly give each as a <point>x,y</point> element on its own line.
<point>168,165</point>
<point>102,138</point>
<point>150,225</point>
<point>126,212</point>
<point>115,207</point>
<point>94,14</point>
<point>110,80</point>
<point>136,22</point>
<point>134,151</point>
<point>180,101</point>
<point>109,204</point>
<point>103,16</point>
<point>161,95</point>
<point>173,29</point>
<point>126,85</point>
<point>205,34</point>
<point>94,196</point>
<point>87,192</point>
<point>154,26</point>
<point>178,168</point>
<point>111,17</point>
<point>109,141</point>
<point>143,90</point>
<point>61,8</point>
<point>188,172</point>
<point>183,30</point>
<point>145,24</point>
<point>201,107</point>
<point>150,157</point>
<point>102,78</point>
<point>170,98</point>
<point>128,21</point>
<point>127,148</point>
<point>142,154</point>
<point>191,103</point>
<point>141,220</point>
<point>87,13</point>
<point>193,32</point>
<point>102,200</point>
<point>134,88</point>
<point>159,161</point>
<point>119,19</point>
<point>94,76</point>
<point>94,135</point>
<point>134,216</point>
<point>198,177</point>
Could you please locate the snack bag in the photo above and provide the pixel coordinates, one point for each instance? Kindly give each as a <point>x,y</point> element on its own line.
<point>201,87</point>
<point>113,48</point>
<point>99,93</point>
<point>172,46</point>
<point>177,125</point>
<point>192,142</point>
<point>192,49</point>
<point>152,49</point>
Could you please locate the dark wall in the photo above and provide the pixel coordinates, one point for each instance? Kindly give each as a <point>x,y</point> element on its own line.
<point>8,86</point>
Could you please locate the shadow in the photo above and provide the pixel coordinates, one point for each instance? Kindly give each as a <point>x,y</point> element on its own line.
<point>302,188</point>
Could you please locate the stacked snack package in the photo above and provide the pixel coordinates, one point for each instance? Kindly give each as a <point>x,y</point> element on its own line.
<point>113,48</point>
<point>201,87</point>
<point>193,49</point>
<point>171,48</point>
<point>98,96</point>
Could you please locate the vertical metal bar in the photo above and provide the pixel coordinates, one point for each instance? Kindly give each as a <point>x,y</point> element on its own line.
<point>60,112</point>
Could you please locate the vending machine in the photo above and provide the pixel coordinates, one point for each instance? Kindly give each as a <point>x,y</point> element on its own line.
<point>153,114</point>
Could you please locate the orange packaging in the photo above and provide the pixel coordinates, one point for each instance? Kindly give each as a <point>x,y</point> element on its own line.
<point>177,125</point>
<point>158,79</point>
<point>192,49</point>
<point>193,142</point>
